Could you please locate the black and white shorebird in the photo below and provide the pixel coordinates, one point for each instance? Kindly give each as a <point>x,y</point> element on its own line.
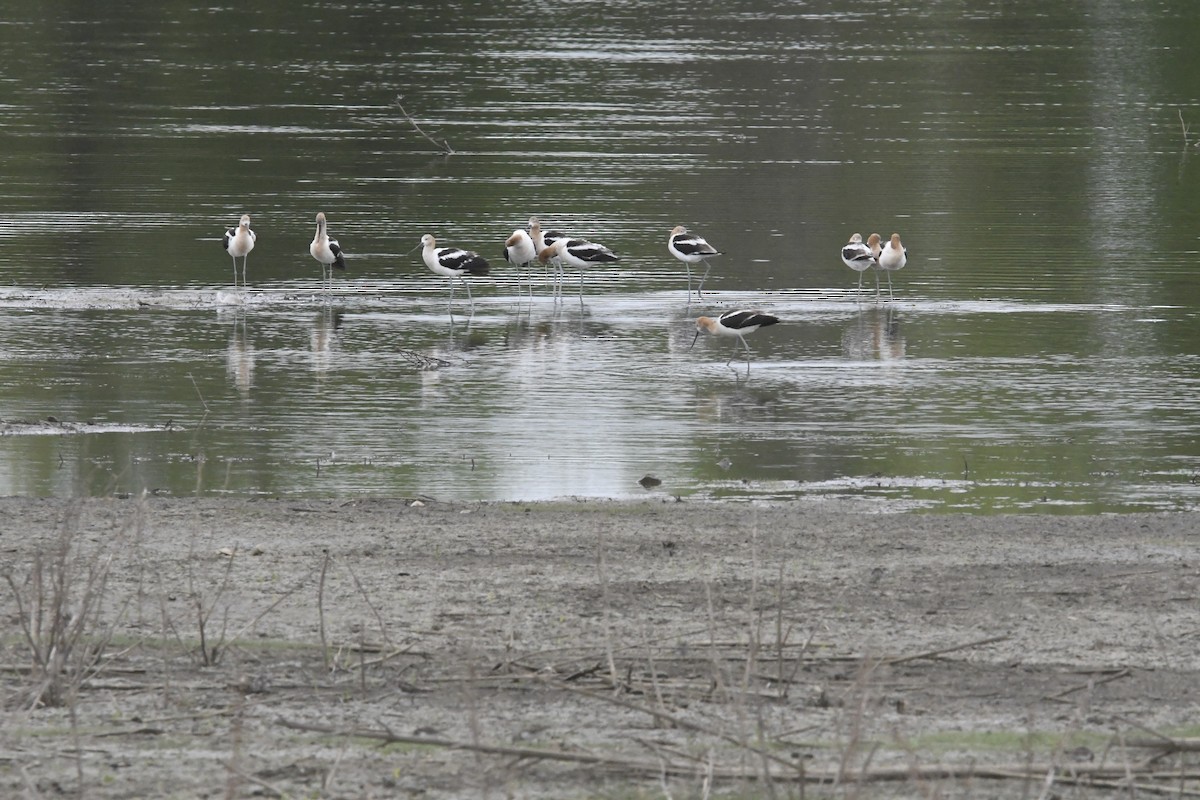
<point>327,251</point>
<point>691,249</point>
<point>451,262</point>
<point>858,256</point>
<point>734,323</point>
<point>542,240</point>
<point>520,252</point>
<point>239,242</point>
<point>893,257</point>
<point>578,253</point>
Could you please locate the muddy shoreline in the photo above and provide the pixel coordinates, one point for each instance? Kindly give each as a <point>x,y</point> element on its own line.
<point>375,648</point>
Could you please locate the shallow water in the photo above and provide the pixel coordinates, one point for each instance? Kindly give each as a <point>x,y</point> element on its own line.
<point>1042,351</point>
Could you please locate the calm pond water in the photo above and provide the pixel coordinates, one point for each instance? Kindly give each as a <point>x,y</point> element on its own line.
<point>1042,351</point>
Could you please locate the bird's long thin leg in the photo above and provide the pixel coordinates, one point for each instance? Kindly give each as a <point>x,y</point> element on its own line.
<point>707,267</point>
<point>890,295</point>
<point>467,286</point>
<point>689,274</point>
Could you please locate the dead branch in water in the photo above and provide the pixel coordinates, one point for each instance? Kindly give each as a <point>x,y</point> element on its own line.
<point>443,146</point>
<point>1186,128</point>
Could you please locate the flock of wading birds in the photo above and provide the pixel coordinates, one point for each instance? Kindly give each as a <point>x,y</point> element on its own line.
<point>554,248</point>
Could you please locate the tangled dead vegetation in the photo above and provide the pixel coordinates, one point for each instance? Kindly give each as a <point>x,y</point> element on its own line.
<point>378,648</point>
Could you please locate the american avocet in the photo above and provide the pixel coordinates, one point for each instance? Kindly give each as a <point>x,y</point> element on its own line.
<point>893,257</point>
<point>326,251</point>
<point>734,323</point>
<point>239,241</point>
<point>691,249</point>
<point>873,244</point>
<point>578,253</point>
<point>452,263</point>
<point>542,240</point>
<point>520,252</point>
<point>857,256</point>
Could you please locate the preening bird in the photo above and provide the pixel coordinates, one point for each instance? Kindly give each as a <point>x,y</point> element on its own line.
<point>858,257</point>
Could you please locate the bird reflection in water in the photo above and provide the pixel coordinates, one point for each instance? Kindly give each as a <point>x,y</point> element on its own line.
<point>323,337</point>
<point>874,335</point>
<point>239,354</point>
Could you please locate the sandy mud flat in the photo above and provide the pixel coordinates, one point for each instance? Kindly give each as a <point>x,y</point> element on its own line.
<point>373,648</point>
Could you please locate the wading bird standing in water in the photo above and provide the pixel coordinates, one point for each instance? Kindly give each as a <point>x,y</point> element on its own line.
<point>893,257</point>
<point>691,249</point>
<point>520,252</point>
<point>542,240</point>
<point>326,251</point>
<point>858,257</point>
<point>450,262</point>
<point>239,242</point>
<point>578,253</point>
<point>734,323</point>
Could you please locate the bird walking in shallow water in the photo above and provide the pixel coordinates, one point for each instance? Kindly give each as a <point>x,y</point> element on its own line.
<point>326,251</point>
<point>239,242</point>
<point>691,249</point>
<point>892,257</point>
<point>734,323</point>
<point>578,253</point>
<point>858,257</point>
<point>451,262</point>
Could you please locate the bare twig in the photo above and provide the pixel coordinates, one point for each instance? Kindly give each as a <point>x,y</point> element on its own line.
<point>443,146</point>
<point>944,650</point>
<point>1081,774</point>
<point>1089,685</point>
<point>321,613</point>
<point>59,607</point>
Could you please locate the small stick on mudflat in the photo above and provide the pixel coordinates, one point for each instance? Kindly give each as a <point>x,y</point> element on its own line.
<point>443,146</point>
<point>1089,685</point>
<point>944,650</point>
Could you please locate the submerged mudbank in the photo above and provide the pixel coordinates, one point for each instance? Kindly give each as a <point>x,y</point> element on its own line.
<point>52,426</point>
